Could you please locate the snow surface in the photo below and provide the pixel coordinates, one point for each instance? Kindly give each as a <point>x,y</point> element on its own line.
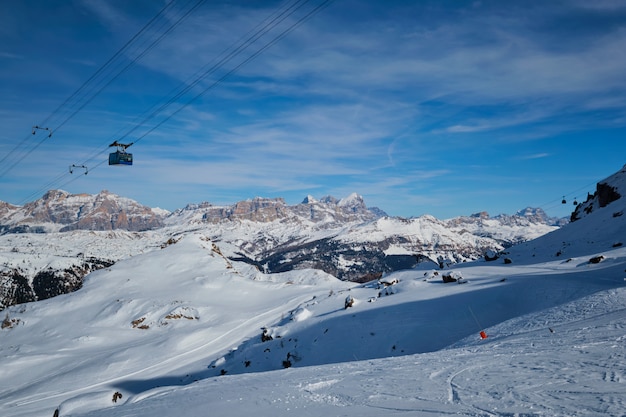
<point>178,331</point>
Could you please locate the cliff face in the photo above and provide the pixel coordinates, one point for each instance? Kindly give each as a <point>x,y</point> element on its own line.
<point>60,211</point>
<point>328,211</point>
<point>258,210</point>
<point>607,191</point>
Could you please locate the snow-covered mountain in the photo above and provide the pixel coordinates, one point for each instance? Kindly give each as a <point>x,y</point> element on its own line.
<point>342,237</point>
<point>183,329</point>
<point>348,240</point>
<point>60,211</point>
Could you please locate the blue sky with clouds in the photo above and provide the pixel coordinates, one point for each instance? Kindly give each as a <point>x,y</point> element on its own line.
<point>439,107</point>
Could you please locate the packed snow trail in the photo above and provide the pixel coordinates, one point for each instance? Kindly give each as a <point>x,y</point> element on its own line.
<point>579,369</point>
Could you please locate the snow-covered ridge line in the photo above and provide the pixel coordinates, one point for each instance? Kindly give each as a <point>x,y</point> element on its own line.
<point>342,237</point>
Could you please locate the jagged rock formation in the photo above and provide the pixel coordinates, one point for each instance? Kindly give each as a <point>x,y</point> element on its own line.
<point>60,211</point>
<point>607,191</point>
<point>327,211</point>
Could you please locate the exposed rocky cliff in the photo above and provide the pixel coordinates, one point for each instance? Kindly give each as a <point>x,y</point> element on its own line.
<point>17,287</point>
<point>61,211</point>
<point>607,191</point>
<point>327,211</point>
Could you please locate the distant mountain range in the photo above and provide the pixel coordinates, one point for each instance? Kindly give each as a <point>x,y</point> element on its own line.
<point>78,233</point>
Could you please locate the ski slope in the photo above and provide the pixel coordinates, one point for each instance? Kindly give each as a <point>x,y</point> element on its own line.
<point>184,330</point>
<point>414,350</point>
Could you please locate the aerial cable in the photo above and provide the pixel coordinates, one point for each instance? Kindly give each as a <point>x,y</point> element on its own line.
<point>558,201</point>
<point>57,180</point>
<point>229,53</point>
<point>212,68</point>
<point>18,160</point>
<point>126,46</point>
<point>42,189</point>
<point>276,39</point>
<point>110,61</point>
<point>199,75</point>
<point>83,86</point>
<point>133,61</point>
<point>280,36</point>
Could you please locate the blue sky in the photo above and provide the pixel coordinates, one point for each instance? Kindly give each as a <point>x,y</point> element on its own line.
<point>422,107</point>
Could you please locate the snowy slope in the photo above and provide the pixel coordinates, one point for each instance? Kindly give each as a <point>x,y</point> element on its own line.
<point>143,318</point>
<point>161,328</point>
<point>386,357</point>
<point>184,330</point>
<point>576,370</point>
<point>599,230</point>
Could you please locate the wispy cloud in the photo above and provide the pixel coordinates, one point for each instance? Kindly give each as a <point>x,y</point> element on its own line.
<point>535,156</point>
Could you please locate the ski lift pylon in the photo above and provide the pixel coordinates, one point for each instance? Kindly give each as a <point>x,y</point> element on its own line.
<point>120,157</point>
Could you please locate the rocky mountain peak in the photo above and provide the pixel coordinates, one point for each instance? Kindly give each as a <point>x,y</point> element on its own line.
<point>59,210</point>
<point>309,199</point>
<point>327,210</point>
<point>353,202</point>
<point>481,215</point>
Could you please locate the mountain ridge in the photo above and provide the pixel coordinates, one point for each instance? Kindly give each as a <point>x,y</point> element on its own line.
<point>342,237</point>
<point>58,210</point>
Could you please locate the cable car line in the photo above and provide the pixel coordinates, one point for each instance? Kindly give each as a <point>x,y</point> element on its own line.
<point>109,61</point>
<point>235,49</point>
<point>325,3</point>
<point>133,61</point>
<point>560,202</point>
<point>43,189</point>
<point>82,87</point>
<point>107,83</point>
<point>250,40</point>
<point>227,55</point>
<point>18,160</point>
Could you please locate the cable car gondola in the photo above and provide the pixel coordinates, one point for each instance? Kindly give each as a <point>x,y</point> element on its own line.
<point>36,128</point>
<point>120,157</point>
<point>564,201</point>
<point>73,167</point>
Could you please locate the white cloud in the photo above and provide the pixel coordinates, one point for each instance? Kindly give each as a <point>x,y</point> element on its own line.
<point>536,156</point>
